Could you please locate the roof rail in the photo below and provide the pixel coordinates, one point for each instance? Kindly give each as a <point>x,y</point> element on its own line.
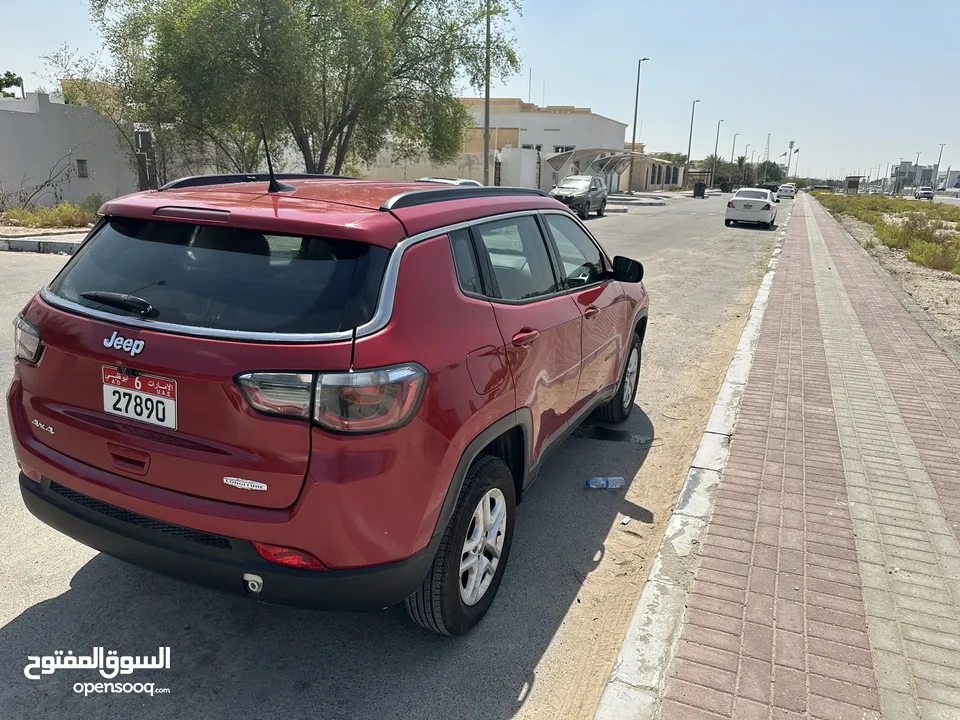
<point>203,180</point>
<point>411,198</point>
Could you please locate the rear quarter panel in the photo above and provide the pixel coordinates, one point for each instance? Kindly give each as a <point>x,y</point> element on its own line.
<point>433,324</point>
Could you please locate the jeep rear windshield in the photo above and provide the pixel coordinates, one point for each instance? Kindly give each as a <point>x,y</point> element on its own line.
<point>227,278</point>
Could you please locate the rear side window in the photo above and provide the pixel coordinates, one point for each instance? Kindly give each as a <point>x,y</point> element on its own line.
<point>752,194</point>
<point>465,260</point>
<point>228,278</point>
<point>518,257</point>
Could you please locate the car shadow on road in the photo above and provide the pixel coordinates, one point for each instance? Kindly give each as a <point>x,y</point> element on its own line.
<point>231,657</point>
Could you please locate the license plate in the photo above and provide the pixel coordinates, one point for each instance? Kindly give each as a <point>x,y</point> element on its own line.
<point>146,398</point>
<point>747,206</point>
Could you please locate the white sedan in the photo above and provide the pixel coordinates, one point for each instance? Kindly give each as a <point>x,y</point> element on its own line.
<point>787,190</point>
<point>752,205</point>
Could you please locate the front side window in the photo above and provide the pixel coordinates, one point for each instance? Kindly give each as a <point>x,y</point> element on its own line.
<point>518,257</point>
<point>581,258</point>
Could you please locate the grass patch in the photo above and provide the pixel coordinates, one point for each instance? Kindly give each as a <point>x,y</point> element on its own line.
<point>60,216</point>
<point>920,228</point>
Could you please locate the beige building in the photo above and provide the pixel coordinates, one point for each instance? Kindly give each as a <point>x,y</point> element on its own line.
<point>550,129</point>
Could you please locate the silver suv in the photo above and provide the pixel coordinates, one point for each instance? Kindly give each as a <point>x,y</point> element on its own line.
<point>923,193</point>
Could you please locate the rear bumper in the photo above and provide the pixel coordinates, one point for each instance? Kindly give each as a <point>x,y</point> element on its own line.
<point>216,561</point>
<point>750,216</point>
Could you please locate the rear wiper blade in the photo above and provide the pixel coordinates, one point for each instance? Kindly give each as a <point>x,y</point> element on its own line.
<point>123,301</point>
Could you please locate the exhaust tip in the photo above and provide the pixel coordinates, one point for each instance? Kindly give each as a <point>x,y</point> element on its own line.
<point>253,583</point>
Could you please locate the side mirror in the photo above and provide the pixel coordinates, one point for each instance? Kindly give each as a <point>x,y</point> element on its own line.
<point>627,270</point>
<point>778,199</point>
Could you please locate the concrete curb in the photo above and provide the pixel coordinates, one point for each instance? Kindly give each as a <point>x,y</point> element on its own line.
<point>39,245</point>
<point>637,203</point>
<point>46,233</point>
<point>636,683</point>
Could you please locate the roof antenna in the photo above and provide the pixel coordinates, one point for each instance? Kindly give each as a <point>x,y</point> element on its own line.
<point>274,186</point>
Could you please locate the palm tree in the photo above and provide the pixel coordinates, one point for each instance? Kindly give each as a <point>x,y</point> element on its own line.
<point>741,168</point>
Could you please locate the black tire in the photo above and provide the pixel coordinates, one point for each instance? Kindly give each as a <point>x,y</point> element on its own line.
<point>728,223</point>
<point>613,411</point>
<point>766,226</point>
<point>602,208</point>
<point>437,605</point>
<point>584,211</point>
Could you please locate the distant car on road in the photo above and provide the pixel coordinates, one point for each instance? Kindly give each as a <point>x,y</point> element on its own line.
<point>582,193</point>
<point>752,205</point>
<point>451,181</point>
<point>787,190</point>
<point>923,193</point>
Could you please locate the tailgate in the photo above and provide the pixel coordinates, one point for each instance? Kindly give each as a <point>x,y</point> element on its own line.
<point>164,406</point>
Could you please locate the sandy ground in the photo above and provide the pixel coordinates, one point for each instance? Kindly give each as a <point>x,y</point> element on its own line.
<point>936,291</point>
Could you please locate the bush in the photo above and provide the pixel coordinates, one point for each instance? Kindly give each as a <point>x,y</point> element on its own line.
<point>63,215</point>
<point>92,203</point>
<point>936,255</point>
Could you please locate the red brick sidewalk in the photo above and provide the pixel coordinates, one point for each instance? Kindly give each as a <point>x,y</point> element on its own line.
<point>829,580</point>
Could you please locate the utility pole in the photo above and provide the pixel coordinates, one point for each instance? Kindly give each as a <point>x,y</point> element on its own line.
<point>732,153</point>
<point>686,165</point>
<point>486,107</point>
<point>633,139</point>
<point>530,86</point>
<point>916,172</point>
<point>716,145</point>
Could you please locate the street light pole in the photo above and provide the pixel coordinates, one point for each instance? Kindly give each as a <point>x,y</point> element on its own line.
<point>633,138</point>
<point>916,172</point>
<point>733,148</point>
<point>486,107</point>
<point>936,170</point>
<point>716,145</point>
<point>686,165</point>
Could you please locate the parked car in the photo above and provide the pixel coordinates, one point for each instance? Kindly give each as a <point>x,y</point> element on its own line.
<point>787,190</point>
<point>582,193</point>
<point>332,394</point>
<point>451,181</point>
<point>752,205</point>
<point>923,193</point>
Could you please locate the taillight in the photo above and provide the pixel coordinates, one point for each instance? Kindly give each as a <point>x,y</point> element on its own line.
<point>290,557</point>
<point>275,393</point>
<point>355,402</point>
<point>767,206</point>
<point>369,400</point>
<point>729,203</point>
<point>26,340</point>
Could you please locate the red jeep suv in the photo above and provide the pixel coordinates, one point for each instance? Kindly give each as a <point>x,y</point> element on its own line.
<point>329,393</point>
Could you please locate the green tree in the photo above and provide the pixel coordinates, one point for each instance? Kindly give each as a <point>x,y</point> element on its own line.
<point>769,171</point>
<point>340,78</point>
<point>10,79</point>
<point>672,157</point>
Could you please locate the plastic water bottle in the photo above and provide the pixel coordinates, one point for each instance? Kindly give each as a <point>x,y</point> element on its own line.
<point>601,483</point>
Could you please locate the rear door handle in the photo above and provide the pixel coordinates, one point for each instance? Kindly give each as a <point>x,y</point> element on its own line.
<point>591,311</point>
<point>525,337</point>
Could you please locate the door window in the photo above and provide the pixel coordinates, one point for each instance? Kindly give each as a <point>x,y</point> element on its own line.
<point>518,258</point>
<point>581,258</point>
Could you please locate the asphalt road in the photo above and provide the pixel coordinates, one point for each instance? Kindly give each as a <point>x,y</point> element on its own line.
<point>575,571</point>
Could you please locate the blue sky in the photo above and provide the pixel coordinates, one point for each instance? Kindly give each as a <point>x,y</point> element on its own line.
<point>855,83</point>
